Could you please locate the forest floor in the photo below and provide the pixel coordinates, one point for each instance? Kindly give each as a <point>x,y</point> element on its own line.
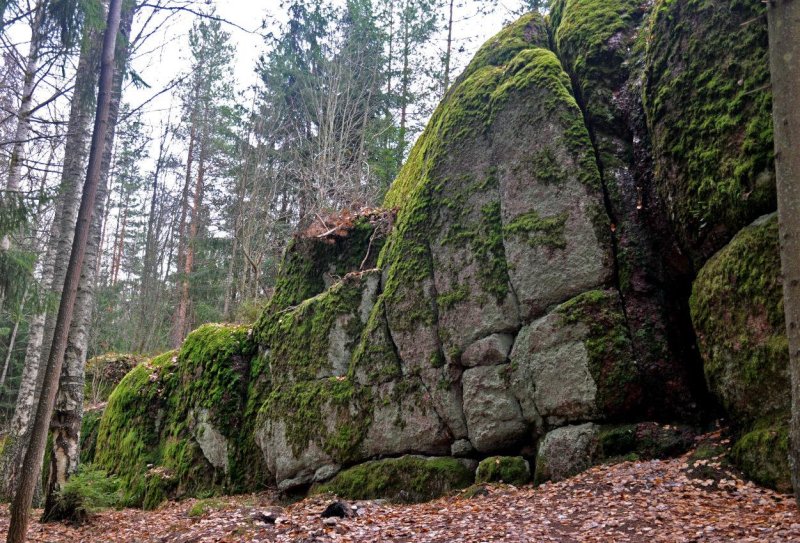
<point>692,498</point>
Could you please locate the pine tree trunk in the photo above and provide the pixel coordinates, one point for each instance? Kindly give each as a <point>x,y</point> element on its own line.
<point>67,416</point>
<point>179,321</point>
<point>119,243</point>
<point>404,87</point>
<point>20,506</point>
<point>784,52</point>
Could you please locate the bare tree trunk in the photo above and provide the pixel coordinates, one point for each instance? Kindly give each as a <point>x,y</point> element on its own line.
<point>54,265</point>
<point>148,284</point>
<point>66,420</point>
<point>404,86</point>
<point>391,45</point>
<point>194,228</point>
<point>23,129</point>
<point>448,51</point>
<point>179,321</point>
<point>20,506</point>
<point>12,341</point>
<point>119,243</point>
<point>784,52</point>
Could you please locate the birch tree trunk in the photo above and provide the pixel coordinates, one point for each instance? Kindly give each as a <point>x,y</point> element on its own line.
<point>21,505</point>
<point>784,52</point>
<point>55,261</point>
<point>23,130</point>
<point>68,414</point>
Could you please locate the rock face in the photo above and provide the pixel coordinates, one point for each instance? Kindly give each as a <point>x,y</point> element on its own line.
<point>737,308</point>
<point>528,292</point>
<point>709,109</point>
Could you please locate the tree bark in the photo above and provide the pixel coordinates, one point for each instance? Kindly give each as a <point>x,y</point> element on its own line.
<point>54,265</point>
<point>66,421</point>
<point>179,324</point>
<point>448,51</point>
<point>20,506</point>
<point>784,52</point>
<point>23,129</point>
<point>12,341</point>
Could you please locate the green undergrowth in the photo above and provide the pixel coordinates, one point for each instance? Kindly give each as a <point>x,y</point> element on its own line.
<point>608,343</point>
<point>409,479</point>
<point>86,492</point>
<point>708,104</point>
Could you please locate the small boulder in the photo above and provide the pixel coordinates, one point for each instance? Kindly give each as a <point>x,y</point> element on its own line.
<point>567,451</point>
<point>408,479</point>
<point>337,509</point>
<point>513,470</point>
<point>266,518</point>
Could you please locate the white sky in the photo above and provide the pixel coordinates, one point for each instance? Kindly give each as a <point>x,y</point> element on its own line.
<point>158,67</point>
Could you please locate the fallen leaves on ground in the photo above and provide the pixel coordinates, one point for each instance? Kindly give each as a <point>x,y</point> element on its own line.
<point>693,498</point>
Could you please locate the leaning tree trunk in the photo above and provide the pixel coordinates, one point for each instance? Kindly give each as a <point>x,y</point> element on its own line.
<point>68,414</point>
<point>21,505</point>
<point>784,52</point>
<point>54,264</point>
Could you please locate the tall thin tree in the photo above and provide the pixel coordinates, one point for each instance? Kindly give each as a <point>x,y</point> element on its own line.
<point>21,505</point>
<point>784,53</point>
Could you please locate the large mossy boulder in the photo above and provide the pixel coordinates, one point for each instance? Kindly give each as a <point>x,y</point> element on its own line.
<point>709,110</point>
<point>525,284</point>
<point>737,308</point>
<point>512,470</point>
<point>171,427</point>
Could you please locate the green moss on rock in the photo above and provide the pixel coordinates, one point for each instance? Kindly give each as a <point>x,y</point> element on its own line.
<point>334,413</point>
<point>763,453</point>
<point>737,311</point>
<point>608,343</point>
<point>512,470</point>
<point>591,37</point>
<point>308,260</point>
<point>709,109</point>
<point>298,339</point>
<point>409,479</point>
<point>90,424</point>
<point>644,440</point>
<point>150,432</point>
